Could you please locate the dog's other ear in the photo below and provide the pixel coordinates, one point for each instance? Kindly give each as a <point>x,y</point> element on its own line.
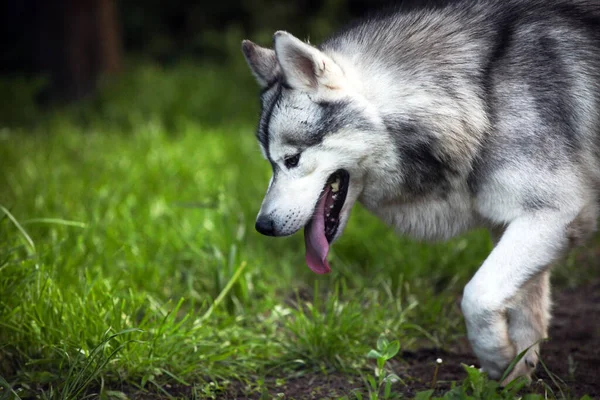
<point>262,62</point>
<point>304,66</point>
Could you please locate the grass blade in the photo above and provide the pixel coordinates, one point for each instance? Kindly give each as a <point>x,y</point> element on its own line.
<point>19,227</point>
<point>224,292</point>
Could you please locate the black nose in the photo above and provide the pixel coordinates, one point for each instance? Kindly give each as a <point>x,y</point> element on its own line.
<point>265,226</point>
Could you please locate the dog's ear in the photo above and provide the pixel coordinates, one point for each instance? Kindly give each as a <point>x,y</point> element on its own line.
<point>262,62</point>
<point>304,66</point>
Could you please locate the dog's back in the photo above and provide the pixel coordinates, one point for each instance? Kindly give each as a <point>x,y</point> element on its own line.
<point>499,85</point>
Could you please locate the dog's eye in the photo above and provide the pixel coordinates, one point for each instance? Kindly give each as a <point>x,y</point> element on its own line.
<point>291,161</point>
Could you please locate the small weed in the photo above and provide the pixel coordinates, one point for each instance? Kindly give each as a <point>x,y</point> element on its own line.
<point>476,386</point>
<point>379,385</point>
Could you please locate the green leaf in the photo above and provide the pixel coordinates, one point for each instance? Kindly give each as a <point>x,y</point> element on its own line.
<point>146,378</point>
<point>382,343</point>
<point>515,385</point>
<point>540,397</point>
<point>394,378</point>
<point>5,385</point>
<point>475,379</point>
<point>392,350</point>
<point>374,354</point>
<point>372,382</point>
<point>264,394</point>
<point>514,362</point>
<point>425,395</point>
<point>115,395</point>
<point>388,389</point>
<point>456,393</point>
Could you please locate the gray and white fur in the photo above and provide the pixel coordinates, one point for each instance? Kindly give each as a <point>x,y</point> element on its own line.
<point>471,114</point>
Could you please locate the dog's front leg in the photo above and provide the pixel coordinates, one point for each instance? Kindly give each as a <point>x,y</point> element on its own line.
<point>529,244</point>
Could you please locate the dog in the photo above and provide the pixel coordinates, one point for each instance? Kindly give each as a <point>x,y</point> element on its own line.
<point>440,119</point>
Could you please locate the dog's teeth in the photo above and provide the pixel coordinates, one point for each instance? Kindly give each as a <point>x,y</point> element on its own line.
<point>331,206</point>
<point>335,186</point>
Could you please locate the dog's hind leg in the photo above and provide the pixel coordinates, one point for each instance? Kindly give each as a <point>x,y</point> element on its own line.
<point>528,317</point>
<point>529,244</point>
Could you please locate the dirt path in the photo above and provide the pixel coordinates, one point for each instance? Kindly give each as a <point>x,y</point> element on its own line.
<point>572,354</point>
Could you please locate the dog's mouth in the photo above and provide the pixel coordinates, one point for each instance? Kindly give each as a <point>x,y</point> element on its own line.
<point>323,226</point>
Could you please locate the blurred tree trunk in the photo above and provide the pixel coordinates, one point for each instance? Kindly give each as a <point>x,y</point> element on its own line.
<point>79,42</point>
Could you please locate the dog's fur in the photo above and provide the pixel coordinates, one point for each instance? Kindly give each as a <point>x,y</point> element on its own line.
<point>476,113</point>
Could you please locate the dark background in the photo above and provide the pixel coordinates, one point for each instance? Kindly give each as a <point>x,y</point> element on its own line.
<point>73,43</point>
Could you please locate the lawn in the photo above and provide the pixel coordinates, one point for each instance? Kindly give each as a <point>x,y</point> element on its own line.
<point>130,267</point>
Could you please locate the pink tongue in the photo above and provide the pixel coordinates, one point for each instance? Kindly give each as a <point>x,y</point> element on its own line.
<point>317,246</point>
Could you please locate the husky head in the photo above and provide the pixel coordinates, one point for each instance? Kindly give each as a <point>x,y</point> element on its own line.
<point>312,131</point>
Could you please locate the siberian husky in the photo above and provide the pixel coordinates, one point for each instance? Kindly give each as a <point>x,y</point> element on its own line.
<point>439,120</point>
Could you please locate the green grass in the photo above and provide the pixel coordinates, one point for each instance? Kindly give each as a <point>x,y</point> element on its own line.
<point>131,259</point>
